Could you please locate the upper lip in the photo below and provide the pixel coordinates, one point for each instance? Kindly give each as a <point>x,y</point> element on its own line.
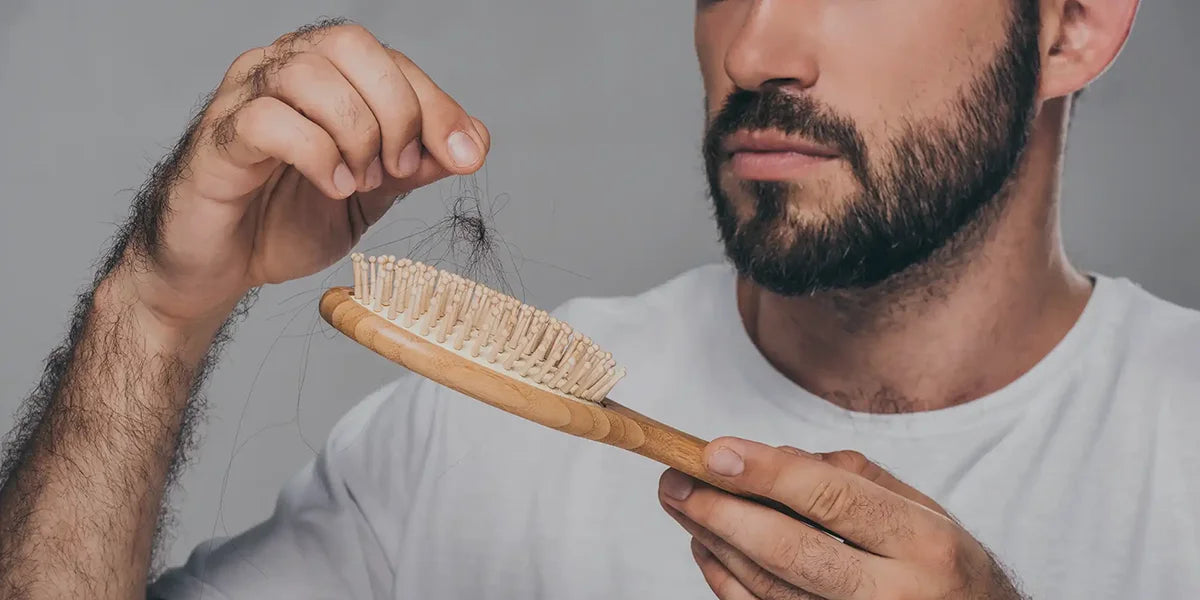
<point>774,141</point>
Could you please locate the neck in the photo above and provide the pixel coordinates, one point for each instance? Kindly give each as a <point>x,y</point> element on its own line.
<point>960,326</point>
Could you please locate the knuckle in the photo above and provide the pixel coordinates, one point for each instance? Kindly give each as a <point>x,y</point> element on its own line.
<point>766,477</point>
<point>701,510</point>
<point>399,58</point>
<point>354,31</point>
<point>299,69</point>
<point>352,117</point>
<point>253,112</point>
<point>830,500</point>
<point>819,565</point>
<point>723,584</point>
<point>715,515</point>
<point>350,38</point>
<point>358,137</point>
<point>261,76</point>
<point>245,61</point>
<point>784,552</point>
<point>849,460</point>
<point>250,122</point>
<point>943,549</point>
<point>769,587</point>
<point>251,55</point>
<point>223,129</point>
<point>893,522</point>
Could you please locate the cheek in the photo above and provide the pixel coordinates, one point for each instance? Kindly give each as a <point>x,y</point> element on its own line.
<point>716,28</point>
<point>883,62</point>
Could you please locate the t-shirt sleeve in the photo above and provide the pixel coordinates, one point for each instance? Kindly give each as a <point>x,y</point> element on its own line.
<point>327,536</point>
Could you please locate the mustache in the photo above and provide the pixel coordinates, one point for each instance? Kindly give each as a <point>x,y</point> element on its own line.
<point>801,115</point>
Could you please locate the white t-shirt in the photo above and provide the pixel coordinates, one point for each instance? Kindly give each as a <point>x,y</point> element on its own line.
<point>1083,476</point>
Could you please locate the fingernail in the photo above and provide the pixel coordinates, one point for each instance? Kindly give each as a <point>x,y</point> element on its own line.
<point>343,180</point>
<point>726,462</point>
<point>374,174</point>
<point>410,160</point>
<point>463,151</point>
<point>676,485</point>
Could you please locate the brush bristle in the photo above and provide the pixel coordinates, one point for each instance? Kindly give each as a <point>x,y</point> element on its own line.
<point>485,326</point>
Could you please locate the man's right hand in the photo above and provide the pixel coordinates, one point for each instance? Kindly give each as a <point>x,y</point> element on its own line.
<point>305,143</point>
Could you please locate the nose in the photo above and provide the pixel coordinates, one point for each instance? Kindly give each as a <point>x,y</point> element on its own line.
<point>776,45</point>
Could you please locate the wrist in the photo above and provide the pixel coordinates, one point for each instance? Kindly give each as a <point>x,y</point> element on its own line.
<point>141,297</point>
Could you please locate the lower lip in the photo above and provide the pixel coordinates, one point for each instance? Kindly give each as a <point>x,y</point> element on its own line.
<point>775,166</point>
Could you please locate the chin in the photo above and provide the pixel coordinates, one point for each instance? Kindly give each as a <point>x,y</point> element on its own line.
<point>787,205</point>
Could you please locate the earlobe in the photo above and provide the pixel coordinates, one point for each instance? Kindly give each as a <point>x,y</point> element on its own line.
<point>1085,38</point>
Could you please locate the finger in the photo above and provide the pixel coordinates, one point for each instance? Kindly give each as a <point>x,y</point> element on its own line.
<point>858,510</point>
<point>317,89</point>
<point>369,67</point>
<point>265,130</point>
<point>485,135</point>
<point>373,205</point>
<point>441,117</point>
<point>758,582</point>
<point>855,462</point>
<point>236,76</point>
<point>429,170</point>
<point>719,579</point>
<point>790,550</point>
<point>447,131</point>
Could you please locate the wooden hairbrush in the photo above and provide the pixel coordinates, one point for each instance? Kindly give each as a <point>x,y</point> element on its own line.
<point>496,349</point>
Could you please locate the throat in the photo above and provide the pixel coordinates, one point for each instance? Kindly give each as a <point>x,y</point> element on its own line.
<point>925,353</point>
<point>885,400</point>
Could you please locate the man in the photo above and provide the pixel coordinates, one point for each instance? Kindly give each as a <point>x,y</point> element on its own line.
<point>885,179</point>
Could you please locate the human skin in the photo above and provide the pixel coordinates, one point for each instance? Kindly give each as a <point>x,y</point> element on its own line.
<point>982,317</point>
<point>285,155</point>
<point>305,143</point>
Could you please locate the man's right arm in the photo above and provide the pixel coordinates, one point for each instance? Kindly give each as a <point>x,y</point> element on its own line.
<point>305,144</point>
<point>85,481</point>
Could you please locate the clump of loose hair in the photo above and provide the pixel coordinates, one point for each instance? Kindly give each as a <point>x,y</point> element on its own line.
<point>466,240</point>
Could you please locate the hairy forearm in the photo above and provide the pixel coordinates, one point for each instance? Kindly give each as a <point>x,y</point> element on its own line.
<point>83,491</point>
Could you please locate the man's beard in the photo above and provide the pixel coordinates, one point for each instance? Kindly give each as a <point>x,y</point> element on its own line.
<point>934,182</point>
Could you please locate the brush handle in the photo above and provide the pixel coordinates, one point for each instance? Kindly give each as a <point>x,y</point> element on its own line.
<point>606,421</point>
<point>667,445</point>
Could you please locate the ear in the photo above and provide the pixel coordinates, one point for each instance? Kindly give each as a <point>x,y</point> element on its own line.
<point>1080,39</point>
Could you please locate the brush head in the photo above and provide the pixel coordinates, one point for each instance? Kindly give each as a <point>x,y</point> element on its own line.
<point>484,326</point>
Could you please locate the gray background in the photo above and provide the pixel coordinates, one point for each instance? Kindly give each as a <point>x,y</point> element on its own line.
<point>595,109</point>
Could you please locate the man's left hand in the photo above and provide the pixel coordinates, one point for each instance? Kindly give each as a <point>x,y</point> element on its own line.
<point>902,543</point>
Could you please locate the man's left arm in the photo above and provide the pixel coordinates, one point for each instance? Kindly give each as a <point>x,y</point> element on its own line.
<point>902,543</point>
